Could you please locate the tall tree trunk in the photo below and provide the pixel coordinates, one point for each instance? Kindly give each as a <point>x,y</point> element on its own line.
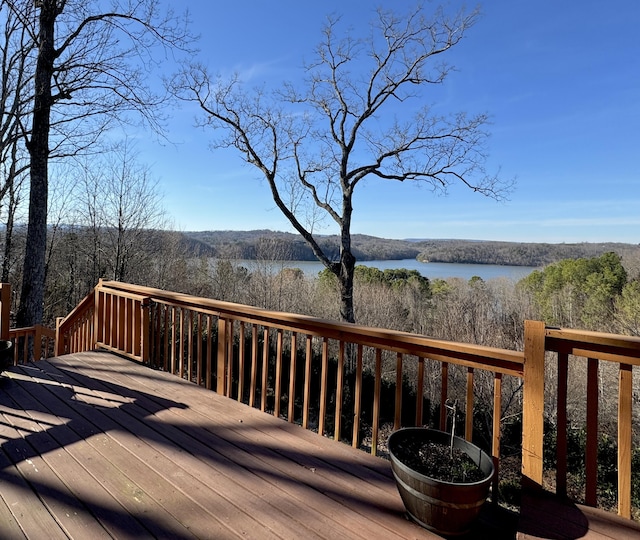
<point>345,277</point>
<point>8,234</point>
<point>347,260</point>
<point>33,277</point>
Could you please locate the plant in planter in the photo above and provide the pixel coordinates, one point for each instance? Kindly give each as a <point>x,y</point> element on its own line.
<point>443,480</point>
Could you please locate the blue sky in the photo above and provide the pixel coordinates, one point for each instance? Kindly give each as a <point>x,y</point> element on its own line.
<point>560,81</point>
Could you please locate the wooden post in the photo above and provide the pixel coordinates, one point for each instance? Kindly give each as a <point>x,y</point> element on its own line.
<point>59,345</point>
<point>533,404</point>
<point>5,310</point>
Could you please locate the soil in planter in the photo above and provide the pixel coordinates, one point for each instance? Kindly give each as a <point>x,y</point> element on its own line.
<point>435,461</point>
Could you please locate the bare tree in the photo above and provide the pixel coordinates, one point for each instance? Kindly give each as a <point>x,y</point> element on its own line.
<point>90,69</point>
<point>118,203</point>
<point>359,114</point>
<point>15,86</point>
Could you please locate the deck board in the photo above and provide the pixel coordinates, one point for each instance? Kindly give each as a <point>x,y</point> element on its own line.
<point>95,446</point>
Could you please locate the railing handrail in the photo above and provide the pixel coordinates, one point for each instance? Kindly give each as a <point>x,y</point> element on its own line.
<point>29,330</point>
<point>504,361</point>
<point>83,305</point>
<point>601,345</point>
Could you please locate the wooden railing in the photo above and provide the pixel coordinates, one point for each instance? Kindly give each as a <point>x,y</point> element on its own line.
<point>317,372</point>
<point>33,342</point>
<point>621,353</point>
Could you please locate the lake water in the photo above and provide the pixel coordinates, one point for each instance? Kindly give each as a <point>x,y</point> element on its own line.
<point>431,270</point>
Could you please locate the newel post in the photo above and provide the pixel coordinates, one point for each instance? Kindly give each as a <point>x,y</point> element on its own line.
<point>59,347</point>
<point>5,310</point>
<point>533,404</point>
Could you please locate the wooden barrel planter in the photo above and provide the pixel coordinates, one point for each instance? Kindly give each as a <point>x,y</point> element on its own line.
<point>6,354</point>
<point>447,508</point>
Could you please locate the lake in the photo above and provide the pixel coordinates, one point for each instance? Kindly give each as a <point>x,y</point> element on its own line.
<point>431,270</point>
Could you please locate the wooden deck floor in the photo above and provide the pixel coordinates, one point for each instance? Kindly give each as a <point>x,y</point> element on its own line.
<point>95,446</point>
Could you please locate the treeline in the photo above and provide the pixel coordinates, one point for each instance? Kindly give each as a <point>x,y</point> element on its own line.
<point>517,254</point>
<point>251,244</point>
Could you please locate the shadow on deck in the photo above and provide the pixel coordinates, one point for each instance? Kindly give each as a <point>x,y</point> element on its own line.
<point>95,446</point>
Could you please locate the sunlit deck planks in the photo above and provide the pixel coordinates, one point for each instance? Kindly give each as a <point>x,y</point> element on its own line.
<point>94,446</point>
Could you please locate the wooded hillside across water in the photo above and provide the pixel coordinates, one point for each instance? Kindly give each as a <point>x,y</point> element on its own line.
<point>287,246</point>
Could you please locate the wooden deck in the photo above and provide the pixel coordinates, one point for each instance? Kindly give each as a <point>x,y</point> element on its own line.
<point>96,446</point>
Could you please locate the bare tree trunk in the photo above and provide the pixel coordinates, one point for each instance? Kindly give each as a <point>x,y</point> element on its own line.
<point>32,294</point>
<point>8,234</point>
<point>345,278</point>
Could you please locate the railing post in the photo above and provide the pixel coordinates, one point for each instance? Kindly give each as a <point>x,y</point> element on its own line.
<point>533,404</point>
<point>59,346</point>
<point>5,310</point>
<point>98,316</point>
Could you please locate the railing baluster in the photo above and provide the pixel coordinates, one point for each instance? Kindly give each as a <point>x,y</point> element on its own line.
<point>221,361</point>
<point>265,369</point>
<point>376,403</point>
<point>189,361</point>
<point>339,392</point>
<point>174,325</point>
<point>307,383</point>
<point>323,385</point>
<point>254,364</point>
<point>357,406</point>
<point>495,439</point>
<point>241,363</point>
<point>199,337</point>
<point>122,313</point>
<point>209,351</point>
<point>419,391</point>
<point>229,362</point>
<point>292,378</point>
<point>397,419</point>
<point>166,340</point>
<point>468,419</point>
<point>278,381</point>
<point>444,394</point>
<point>181,344</point>
<point>591,464</point>
<point>625,390</point>
<point>561,424</point>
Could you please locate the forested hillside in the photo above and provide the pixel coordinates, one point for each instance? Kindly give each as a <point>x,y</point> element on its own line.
<point>287,246</point>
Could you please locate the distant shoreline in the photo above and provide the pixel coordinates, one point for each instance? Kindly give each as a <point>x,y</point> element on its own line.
<point>272,245</point>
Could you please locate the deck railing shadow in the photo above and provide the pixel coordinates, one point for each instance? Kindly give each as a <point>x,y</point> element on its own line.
<point>348,381</point>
